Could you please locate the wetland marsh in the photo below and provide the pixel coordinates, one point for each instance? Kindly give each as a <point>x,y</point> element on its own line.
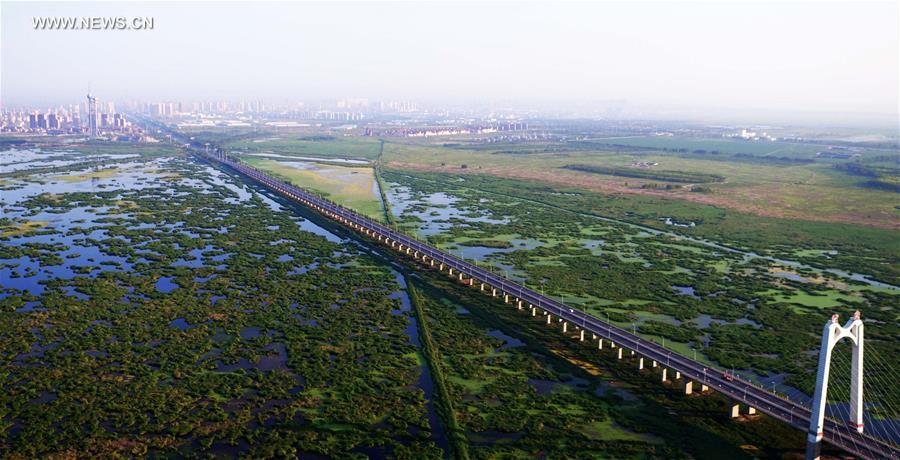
<point>251,328</point>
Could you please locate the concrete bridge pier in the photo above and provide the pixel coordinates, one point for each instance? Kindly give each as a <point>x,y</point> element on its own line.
<point>620,353</point>
<point>751,410</point>
<point>471,281</point>
<point>640,363</point>
<point>600,344</point>
<point>548,319</point>
<point>654,363</point>
<point>482,287</point>
<point>735,410</point>
<point>533,311</point>
<point>704,388</point>
<point>441,268</point>
<point>505,298</point>
<point>582,335</point>
<point>451,271</point>
<point>664,375</point>
<point>460,276</point>
<point>677,375</point>
<point>519,304</point>
<point>565,326</point>
<point>493,292</point>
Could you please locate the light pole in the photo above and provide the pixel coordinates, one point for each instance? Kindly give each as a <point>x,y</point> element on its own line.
<point>608,326</point>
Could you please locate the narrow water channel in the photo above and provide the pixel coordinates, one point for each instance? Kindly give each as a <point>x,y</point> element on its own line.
<point>425,382</point>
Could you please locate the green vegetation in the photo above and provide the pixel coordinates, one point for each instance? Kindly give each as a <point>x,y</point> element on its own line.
<point>292,143</point>
<point>806,190</point>
<point>871,251</point>
<point>10,228</point>
<point>523,390</point>
<point>736,310</point>
<point>166,310</point>
<point>351,186</point>
<point>720,147</point>
<point>458,443</point>
<point>204,322</point>
<point>668,176</point>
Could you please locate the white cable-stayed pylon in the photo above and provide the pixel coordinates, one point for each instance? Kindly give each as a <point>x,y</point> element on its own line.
<point>833,410</point>
<point>831,335</point>
<point>877,384</point>
<point>840,413</point>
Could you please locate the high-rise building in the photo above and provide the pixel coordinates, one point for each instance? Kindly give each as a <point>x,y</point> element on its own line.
<point>92,115</point>
<point>52,121</point>
<point>41,121</point>
<point>32,121</point>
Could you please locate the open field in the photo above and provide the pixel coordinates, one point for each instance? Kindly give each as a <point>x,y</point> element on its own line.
<point>777,149</point>
<point>815,192</point>
<point>315,145</point>
<point>352,186</point>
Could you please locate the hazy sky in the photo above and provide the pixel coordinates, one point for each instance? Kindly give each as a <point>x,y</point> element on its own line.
<point>808,56</point>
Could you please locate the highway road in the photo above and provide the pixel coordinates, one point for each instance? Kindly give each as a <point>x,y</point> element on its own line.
<point>739,390</point>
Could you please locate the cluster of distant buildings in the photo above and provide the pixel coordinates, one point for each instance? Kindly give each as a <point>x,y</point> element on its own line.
<point>248,112</point>
<point>349,109</point>
<point>177,109</point>
<point>448,130</point>
<point>751,136</point>
<point>521,137</point>
<point>91,117</point>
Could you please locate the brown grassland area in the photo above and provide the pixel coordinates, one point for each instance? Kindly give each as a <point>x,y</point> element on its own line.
<point>806,191</point>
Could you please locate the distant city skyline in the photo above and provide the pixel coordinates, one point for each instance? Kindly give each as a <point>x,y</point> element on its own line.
<point>819,60</point>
